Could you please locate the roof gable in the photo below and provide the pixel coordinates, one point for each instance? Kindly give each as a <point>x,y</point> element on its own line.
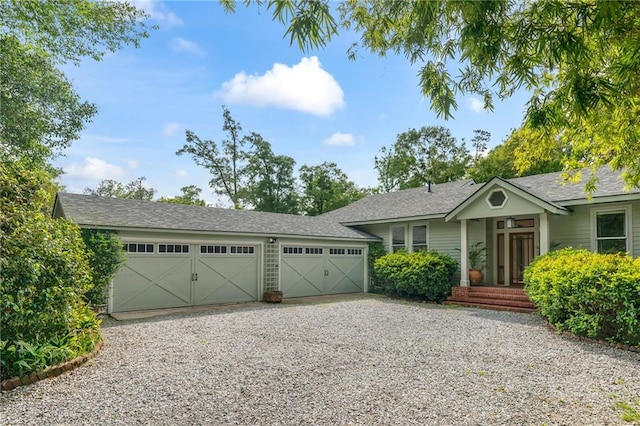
<point>517,201</point>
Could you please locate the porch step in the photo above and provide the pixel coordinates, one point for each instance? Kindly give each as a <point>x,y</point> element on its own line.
<point>498,298</point>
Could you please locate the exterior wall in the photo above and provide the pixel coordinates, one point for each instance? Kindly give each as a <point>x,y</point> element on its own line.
<point>575,230</point>
<point>514,205</point>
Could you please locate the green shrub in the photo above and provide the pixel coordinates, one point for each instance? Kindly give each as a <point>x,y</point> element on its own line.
<point>589,294</point>
<point>44,274</point>
<point>106,255</point>
<point>376,251</point>
<point>424,274</point>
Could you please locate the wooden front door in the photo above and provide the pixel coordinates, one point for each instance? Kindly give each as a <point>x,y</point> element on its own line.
<point>521,254</point>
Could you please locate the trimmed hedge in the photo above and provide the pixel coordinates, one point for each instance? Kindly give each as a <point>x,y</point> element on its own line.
<point>424,274</point>
<point>588,294</point>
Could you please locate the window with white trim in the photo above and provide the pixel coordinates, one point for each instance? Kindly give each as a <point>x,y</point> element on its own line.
<point>313,250</point>
<point>397,238</point>
<point>242,249</point>
<point>213,249</point>
<point>419,238</point>
<point>173,248</point>
<point>138,248</point>
<point>292,250</point>
<point>611,231</point>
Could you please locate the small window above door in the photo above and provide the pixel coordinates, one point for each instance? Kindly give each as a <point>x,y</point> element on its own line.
<point>497,199</point>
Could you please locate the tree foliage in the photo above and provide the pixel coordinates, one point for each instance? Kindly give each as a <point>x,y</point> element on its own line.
<point>579,59</point>
<point>41,113</point>
<point>419,156</point>
<point>134,190</point>
<point>105,255</point>
<point>223,162</point>
<point>270,183</point>
<point>503,159</point>
<point>325,187</point>
<point>44,271</point>
<point>190,196</point>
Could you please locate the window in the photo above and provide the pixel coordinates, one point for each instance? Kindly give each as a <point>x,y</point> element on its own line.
<point>173,248</point>
<point>345,251</point>
<point>611,231</point>
<point>204,249</point>
<point>242,249</point>
<point>497,199</point>
<point>138,248</point>
<point>291,250</point>
<point>397,239</point>
<point>312,250</point>
<point>419,237</point>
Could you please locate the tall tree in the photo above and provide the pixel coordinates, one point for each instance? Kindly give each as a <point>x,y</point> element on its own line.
<point>41,113</point>
<point>270,185</point>
<point>190,196</point>
<point>325,187</point>
<point>224,162</point>
<point>419,156</point>
<point>578,58</point>
<point>134,190</point>
<point>502,160</point>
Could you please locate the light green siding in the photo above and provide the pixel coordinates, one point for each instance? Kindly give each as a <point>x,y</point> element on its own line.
<point>575,230</point>
<point>514,205</point>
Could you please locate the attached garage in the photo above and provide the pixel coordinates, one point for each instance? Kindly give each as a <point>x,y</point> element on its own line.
<point>182,256</point>
<point>162,275</point>
<point>318,270</point>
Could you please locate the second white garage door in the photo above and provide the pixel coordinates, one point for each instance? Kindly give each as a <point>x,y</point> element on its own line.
<point>159,275</point>
<point>314,271</point>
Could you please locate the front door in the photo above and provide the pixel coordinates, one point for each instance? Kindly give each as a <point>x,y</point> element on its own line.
<point>521,254</point>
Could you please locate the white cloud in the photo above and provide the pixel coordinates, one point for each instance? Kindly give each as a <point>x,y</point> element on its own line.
<point>180,173</point>
<point>179,44</point>
<point>159,12</point>
<point>340,139</point>
<point>476,104</point>
<point>170,129</point>
<point>94,168</point>
<point>303,87</point>
<point>133,164</point>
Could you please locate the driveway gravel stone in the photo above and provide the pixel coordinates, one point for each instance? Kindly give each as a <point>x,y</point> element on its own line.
<point>343,360</point>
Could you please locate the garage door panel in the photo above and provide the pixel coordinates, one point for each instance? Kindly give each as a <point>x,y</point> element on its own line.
<point>226,279</point>
<point>345,275</point>
<point>150,282</point>
<point>302,276</point>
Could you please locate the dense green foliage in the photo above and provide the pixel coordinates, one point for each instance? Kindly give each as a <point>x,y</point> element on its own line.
<point>44,274</point>
<point>419,156</point>
<point>589,294</point>
<point>426,275</point>
<point>376,251</point>
<point>190,196</point>
<point>134,190</point>
<point>502,160</point>
<point>577,58</point>
<point>105,254</point>
<point>325,187</point>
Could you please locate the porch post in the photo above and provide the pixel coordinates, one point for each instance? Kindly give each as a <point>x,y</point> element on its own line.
<point>544,233</point>
<point>464,254</point>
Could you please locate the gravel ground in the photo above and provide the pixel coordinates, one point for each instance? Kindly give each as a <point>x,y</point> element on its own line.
<point>363,360</point>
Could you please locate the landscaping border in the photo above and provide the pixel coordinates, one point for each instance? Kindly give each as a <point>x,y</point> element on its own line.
<point>50,372</point>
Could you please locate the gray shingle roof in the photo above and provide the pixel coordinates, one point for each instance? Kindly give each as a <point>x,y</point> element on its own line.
<point>551,186</point>
<point>413,202</point>
<point>116,213</point>
<point>443,198</point>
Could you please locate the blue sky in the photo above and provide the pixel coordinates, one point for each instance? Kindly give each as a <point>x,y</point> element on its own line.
<point>313,106</point>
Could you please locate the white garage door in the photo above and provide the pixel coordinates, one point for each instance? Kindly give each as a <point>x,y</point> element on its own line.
<point>314,271</point>
<point>159,275</point>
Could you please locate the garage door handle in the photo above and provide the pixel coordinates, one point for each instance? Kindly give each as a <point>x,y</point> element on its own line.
<point>326,272</point>
<point>194,277</point>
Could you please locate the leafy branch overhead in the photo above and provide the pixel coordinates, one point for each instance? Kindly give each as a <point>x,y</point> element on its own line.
<point>579,61</point>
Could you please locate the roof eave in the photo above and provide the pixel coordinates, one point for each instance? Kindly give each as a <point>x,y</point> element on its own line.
<point>395,219</point>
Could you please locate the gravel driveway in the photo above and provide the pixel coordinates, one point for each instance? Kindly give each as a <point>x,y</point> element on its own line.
<point>345,360</point>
